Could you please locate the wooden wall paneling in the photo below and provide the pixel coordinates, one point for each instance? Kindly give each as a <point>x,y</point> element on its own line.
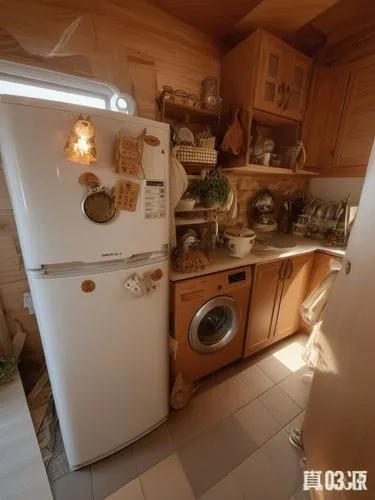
<point>108,32</point>
<point>322,119</point>
<point>145,87</point>
<point>282,17</point>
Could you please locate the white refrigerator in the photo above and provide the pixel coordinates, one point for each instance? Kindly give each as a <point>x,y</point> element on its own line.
<point>105,347</point>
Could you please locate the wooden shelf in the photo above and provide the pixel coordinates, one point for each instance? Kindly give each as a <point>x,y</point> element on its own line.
<point>266,170</point>
<point>176,110</point>
<point>186,222</point>
<point>199,208</point>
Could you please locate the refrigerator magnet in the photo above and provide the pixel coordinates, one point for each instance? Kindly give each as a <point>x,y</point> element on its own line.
<point>80,145</point>
<point>88,178</point>
<point>88,286</point>
<point>129,152</point>
<point>126,195</point>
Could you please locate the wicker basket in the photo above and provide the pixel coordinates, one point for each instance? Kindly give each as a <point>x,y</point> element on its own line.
<point>207,143</point>
<point>191,154</point>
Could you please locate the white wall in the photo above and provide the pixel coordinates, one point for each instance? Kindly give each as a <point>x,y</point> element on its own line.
<point>337,188</point>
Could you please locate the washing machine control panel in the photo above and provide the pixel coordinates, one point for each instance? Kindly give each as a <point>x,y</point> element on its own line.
<point>236,277</point>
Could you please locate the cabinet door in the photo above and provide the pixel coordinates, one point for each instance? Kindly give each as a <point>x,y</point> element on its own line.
<point>271,76</point>
<point>323,114</point>
<point>357,128</point>
<point>266,294</point>
<point>319,270</point>
<point>293,294</point>
<point>297,85</point>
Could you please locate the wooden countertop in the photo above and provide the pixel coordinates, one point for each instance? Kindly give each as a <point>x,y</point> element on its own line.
<point>22,472</point>
<point>222,261</point>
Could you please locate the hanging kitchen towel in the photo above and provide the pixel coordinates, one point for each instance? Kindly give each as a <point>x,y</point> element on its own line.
<point>179,184</point>
<point>233,138</point>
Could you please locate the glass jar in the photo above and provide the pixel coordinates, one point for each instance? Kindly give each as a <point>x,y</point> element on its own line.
<point>210,90</point>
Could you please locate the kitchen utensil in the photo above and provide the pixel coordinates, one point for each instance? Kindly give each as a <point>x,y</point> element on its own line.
<point>233,138</point>
<point>261,209</point>
<point>240,241</point>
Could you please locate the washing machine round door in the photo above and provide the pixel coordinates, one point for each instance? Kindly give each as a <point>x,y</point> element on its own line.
<point>214,325</point>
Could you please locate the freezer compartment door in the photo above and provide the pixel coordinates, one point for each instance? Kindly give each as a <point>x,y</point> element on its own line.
<point>48,199</point>
<point>107,357</point>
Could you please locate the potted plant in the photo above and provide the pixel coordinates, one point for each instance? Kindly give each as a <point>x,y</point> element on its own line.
<point>213,190</point>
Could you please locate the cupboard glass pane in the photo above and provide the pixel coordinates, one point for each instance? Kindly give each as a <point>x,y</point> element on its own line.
<point>273,65</point>
<point>269,92</point>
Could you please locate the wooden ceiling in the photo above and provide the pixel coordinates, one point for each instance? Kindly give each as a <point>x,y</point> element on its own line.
<point>223,18</point>
<point>311,25</point>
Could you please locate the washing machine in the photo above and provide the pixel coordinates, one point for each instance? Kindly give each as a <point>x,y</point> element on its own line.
<point>209,316</point>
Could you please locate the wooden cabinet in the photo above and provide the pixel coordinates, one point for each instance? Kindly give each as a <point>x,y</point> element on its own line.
<point>323,114</point>
<point>320,269</point>
<point>267,281</point>
<point>339,127</point>
<point>283,78</point>
<point>278,291</point>
<point>272,74</point>
<point>297,85</point>
<point>293,293</point>
<point>357,128</point>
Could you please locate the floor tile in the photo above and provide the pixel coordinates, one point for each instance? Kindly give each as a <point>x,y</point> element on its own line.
<point>258,479</point>
<point>131,491</point>
<point>258,422</point>
<point>76,484</point>
<point>296,388</point>
<point>184,425</point>
<point>202,412</point>
<point>274,369</point>
<point>286,460</point>
<point>226,489</point>
<point>204,466</point>
<point>280,405</point>
<point>256,380</point>
<point>166,481</point>
<point>233,440</point>
<point>235,393</point>
<point>296,422</point>
<point>110,474</point>
<point>210,407</point>
<point>152,449</point>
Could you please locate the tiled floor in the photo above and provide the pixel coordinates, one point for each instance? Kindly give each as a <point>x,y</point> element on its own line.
<point>229,443</point>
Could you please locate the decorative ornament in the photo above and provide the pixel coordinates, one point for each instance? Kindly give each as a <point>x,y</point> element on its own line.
<point>129,151</point>
<point>88,178</point>
<point>81,142</point>
<point>126,195</point>
<point>88,286</point>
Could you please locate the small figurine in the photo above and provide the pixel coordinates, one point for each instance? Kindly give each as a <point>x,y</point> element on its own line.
<point>81,142</point>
